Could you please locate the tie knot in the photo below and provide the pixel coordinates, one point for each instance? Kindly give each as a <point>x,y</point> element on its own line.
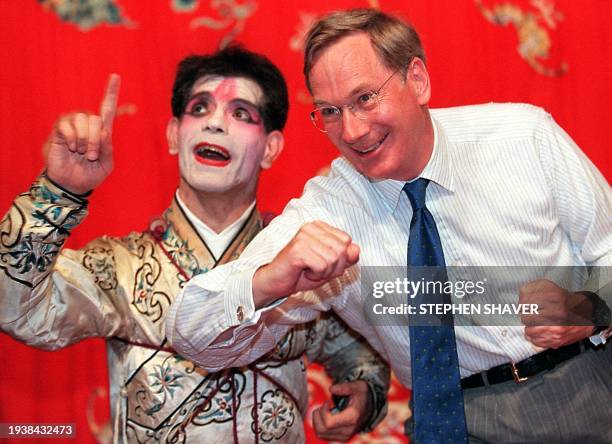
<point>416,193</point>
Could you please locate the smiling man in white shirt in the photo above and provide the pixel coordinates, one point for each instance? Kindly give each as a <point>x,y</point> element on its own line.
<point>505,186</point>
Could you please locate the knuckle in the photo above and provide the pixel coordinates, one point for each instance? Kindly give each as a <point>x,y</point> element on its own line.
<point>319,224</point>
<point>95,121</point>
<point>346,238</point>
<point>65,120</point>
<point>334,252</point>
<point>305,230</point>
<point>311,227</point>
<point>64,129</point>
<point>318,267</point>
<point>299,263</point>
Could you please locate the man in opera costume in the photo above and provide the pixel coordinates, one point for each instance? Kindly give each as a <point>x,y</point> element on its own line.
<point>229,109</point>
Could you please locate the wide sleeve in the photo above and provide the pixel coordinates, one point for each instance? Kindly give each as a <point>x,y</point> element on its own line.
<point>52,297</point>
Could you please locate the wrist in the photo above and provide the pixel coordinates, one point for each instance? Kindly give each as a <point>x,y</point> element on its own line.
<point>81,194</point>
<point>600,315</point>
<point>262,295</point>
<point>377,404</point>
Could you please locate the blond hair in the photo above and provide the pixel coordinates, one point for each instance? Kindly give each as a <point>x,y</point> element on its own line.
<point>395,41</point>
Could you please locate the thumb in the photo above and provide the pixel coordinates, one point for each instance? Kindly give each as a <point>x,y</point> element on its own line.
<point>326,406</point>
<point>352,253</point>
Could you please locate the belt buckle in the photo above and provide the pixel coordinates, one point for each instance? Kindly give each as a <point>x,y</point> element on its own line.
<point>515,374</point>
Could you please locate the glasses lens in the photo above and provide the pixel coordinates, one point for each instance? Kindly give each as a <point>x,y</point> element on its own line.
<point>329,114</point>
<point>325,116</point>
<point>366,103</point>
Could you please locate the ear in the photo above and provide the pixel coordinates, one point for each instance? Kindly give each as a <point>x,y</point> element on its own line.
<point>275,142</point>
<point>172,135</point>
<point>418,77</point>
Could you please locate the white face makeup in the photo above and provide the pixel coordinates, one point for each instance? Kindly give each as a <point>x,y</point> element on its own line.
<point>221,140</point>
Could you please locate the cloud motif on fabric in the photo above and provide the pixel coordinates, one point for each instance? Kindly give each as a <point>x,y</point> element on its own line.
<point>88,14</point>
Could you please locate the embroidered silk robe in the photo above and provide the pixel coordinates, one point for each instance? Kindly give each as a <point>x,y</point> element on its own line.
<point>120,289</point>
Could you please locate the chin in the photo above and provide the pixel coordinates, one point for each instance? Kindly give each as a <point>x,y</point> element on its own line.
<point>208,186</point>
<point>376,172</point>
<point>214,188</point>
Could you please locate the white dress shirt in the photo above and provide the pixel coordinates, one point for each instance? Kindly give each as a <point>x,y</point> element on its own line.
<point>508,188</point>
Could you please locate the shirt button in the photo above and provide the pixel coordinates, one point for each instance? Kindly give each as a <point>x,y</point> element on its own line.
<point>240,313</point>
<point>504,333</point>
<point>123,392</point>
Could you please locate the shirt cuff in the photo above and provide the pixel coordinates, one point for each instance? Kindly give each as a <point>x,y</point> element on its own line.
<point>81,197</point>
<point>601,337</point>
<point>239,304</point>
<point>378,397</point>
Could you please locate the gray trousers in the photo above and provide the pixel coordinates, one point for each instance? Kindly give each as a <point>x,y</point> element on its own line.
<point>571,403</point>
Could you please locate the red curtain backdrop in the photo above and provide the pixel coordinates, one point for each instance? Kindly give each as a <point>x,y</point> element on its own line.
<point>57,54</point>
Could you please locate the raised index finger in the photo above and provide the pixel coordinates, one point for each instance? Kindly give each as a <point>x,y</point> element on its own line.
<point>108,107</point>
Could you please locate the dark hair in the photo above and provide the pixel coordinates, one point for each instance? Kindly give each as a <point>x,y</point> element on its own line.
<point>395,41</point>
<point>235,61</point>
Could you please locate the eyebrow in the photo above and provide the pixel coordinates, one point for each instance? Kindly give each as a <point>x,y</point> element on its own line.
<point>236,100</point>
<point>359,89</point>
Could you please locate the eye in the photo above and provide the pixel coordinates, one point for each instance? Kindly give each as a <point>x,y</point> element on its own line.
<point>199,108</point>
<point>367,99</point>
<point>243,115</point>
<point>329,112</point>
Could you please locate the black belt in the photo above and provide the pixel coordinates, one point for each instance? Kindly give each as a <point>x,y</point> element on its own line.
<point>521,371</point>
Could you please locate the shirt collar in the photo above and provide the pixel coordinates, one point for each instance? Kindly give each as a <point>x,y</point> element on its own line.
<point>207,233</point>
<point>438,170</point>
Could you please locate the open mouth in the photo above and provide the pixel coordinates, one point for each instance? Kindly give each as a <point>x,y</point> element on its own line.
<point>211,154</point>
<point>371,148</point>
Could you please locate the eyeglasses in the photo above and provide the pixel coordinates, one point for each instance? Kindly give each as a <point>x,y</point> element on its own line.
<point>329,117</point>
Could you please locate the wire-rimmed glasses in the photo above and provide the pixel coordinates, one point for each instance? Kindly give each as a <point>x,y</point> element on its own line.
<point>329,117</point>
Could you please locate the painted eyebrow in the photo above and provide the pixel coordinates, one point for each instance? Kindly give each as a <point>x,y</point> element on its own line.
<point>248,103</point>
<point>207,94</point>
<point>198,95</point>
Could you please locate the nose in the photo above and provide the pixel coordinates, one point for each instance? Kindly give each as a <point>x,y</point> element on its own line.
<point>353,128</point>
<point>216,122</point>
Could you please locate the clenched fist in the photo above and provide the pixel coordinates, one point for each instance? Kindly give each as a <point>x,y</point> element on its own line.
<point>563,317</point>
<point>79,150</point>
<point>315,255</point>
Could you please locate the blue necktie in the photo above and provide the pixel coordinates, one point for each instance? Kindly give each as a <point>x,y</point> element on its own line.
<point>437,399</point>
